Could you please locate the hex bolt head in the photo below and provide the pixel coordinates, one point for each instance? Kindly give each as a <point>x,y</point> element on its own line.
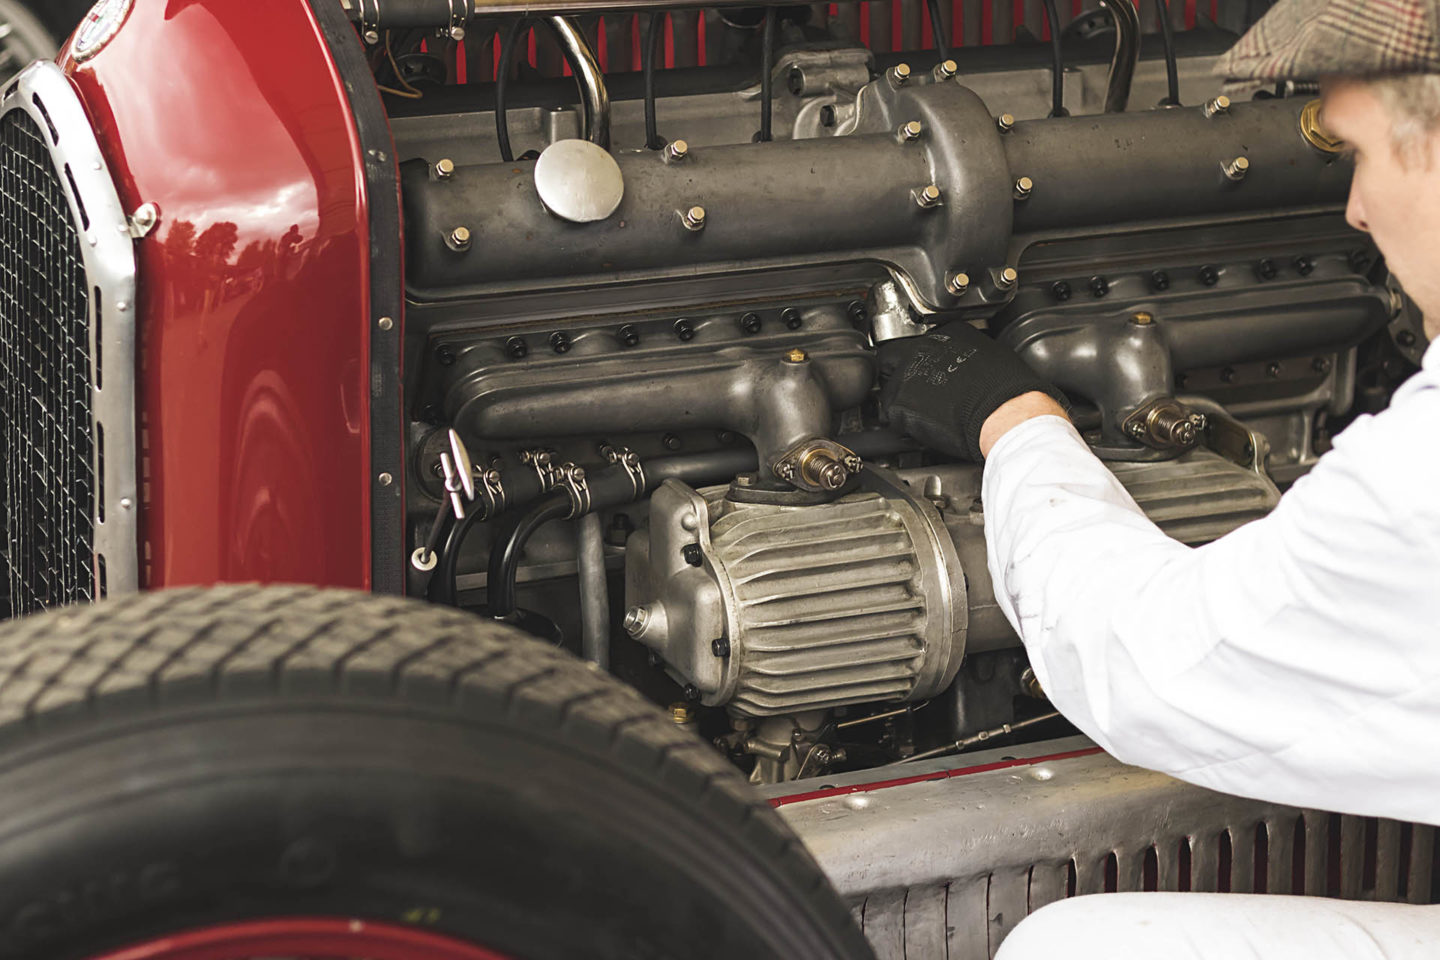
<point>792,319</point>
<point>911,130</point>
<point>1216,106</point>
<point>635,620</point>
<point>1321,365</point>
<point>1208,275</point>
<point>1265,269</point>
<point>444,355</point>
<point>628,336</point>
<point>1142,319</point>
<point>684,332</point>
<point>857,311</point>
<point>1099,286</point>
<point>677,150</point>
<point>1304,266</point>
<point>459,238</point>
<point>694,218</point>
<point>1236,169</point>
<point>958,284</point>
<point>899,74</point>
<point>720,647</point>
<point>926,197</point>
<point>1006,122</point>
<point>1024,186</point>
<point>560,341</point>
<point>796,355</point>
<point>1160,280</point>
<point>516,348</point>
<point>1007,278</point>
<point>750,323</point>
<point>1060,290</point>
<point>691,692</point>
<point>691,554</point>
<point>445,169</point>
<point>946,69</point>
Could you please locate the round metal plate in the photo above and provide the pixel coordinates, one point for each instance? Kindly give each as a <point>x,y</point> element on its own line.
<point>579,181</point>
<point>99,26</point>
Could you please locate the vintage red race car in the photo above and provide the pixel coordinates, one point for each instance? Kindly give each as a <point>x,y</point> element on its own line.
<point>446,509</point>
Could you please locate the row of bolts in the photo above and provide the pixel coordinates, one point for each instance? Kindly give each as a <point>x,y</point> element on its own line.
<point>926,198</point>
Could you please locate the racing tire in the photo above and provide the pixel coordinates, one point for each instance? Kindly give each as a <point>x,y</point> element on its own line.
<point>202,764</point>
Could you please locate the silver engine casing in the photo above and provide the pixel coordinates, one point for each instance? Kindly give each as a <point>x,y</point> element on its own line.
<point>796,608</point>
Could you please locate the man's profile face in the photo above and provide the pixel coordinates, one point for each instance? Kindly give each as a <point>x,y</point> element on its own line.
<point>1393,197</point>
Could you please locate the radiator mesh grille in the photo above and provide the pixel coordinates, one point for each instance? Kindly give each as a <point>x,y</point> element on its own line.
<point>46,428</point>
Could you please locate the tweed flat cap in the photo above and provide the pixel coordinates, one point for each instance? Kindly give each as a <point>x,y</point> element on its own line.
<point>1308,39</point>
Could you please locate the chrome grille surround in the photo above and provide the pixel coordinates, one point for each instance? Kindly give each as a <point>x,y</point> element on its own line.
<point>940,860</point>
<point>67,354</point>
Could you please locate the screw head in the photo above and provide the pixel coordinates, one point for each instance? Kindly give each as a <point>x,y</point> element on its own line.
<point>560,341</point>
<point>720,647</point>
<point>792,319</point>
<point>516,348</point>
<point>460,238</point>
<point>958,284</point>
<point>796,355</point>
<point>1023,187</point>
<point>927,196</point>
<point>1060,290</point>
<point>911,130</point>
<point>692,693</point>
<point>1099,286</point>
<point>900,73</point>
<point>628,335</point>
<point>1006,122</point>
<point>385,479</point>
<point>677,150</point>
<point>385,323</point>
<point>1209,275</point>
<point>750,323</point>
<point>1304,266</point>
<point>670,442</point>
<point>785,470</point>
<point>857,311</point>
<point>1265,269</point>
<point>692,555</point>
<point>1160,280</point>
<point>694,218</point>
<point>445,168</point>
<point>684,332</point>
<point>1272,370</point>
<point>1321,365</point>
<point>444,355</point>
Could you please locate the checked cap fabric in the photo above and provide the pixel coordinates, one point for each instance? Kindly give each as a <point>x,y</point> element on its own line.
<point>1308,39</point>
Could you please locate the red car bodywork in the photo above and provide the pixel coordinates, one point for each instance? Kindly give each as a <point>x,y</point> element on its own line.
<point>253,350</point>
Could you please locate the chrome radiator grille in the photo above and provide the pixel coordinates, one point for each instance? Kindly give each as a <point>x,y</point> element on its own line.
<point>47,441</point>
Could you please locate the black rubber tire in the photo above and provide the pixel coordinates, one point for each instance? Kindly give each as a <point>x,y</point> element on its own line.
<point>181,759</point>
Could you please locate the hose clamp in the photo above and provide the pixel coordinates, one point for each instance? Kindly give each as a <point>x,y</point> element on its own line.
<point>577,488</point>
<point>490,492</point>
<point>370,23</point>
<point>542,461</point>
<point>458,19</point>
<point>629,461</point>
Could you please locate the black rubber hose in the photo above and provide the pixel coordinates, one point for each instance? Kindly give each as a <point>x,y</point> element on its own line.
<point>767,66</point>
<point>510,541</point>
<point>1057,64</point>
<point>1172,73</point>
<point>508,44</point>
<point>937,28</point>
<point>651,51</point>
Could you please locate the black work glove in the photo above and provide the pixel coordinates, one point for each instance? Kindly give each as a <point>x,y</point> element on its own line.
<point>940,387</point>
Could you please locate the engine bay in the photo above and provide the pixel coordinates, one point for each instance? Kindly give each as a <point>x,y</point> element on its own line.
<point>640,373</point>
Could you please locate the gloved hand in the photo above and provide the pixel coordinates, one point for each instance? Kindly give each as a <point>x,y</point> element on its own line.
<point>940,387</point>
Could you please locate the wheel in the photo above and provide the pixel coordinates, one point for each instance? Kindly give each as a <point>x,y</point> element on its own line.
<point>24,38</point>
<point>249,772</point>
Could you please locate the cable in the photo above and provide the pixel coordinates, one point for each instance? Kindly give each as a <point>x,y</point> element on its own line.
<point>502,81</point>
<point>937,28</point>
<point>767,66</point>
<point>409,92</point>
<point>1057,64</point>
<point>650,52</point>
<point>982,737</point>
<point>1172,76</point>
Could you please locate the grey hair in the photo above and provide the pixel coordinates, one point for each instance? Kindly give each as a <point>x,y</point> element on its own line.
<point>1413,104</point>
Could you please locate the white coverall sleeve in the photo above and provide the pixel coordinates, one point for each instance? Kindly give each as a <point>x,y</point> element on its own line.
<point>1296,659</point>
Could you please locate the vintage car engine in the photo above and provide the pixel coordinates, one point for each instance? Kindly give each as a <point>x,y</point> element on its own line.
<point>654,363</point>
